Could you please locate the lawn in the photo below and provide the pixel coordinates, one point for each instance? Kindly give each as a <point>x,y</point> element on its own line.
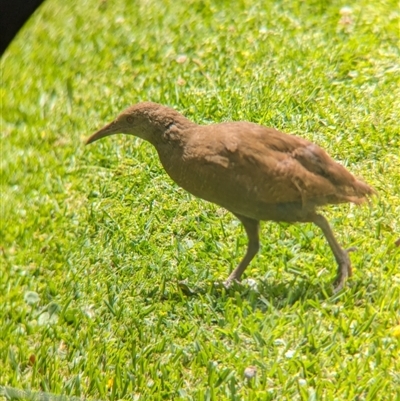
<point>96,240</point>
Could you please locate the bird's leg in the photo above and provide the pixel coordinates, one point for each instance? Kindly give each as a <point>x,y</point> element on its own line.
<point>251,226</point>
<point>341,255</point>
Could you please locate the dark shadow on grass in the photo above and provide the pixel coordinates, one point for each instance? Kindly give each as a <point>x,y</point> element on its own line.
<point>264,294</point>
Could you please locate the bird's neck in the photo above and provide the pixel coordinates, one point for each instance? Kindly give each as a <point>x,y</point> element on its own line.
<point>170,146</point>
<point>172,134</point>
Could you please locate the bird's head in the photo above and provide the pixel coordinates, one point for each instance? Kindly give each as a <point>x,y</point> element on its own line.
<point>145,120</point>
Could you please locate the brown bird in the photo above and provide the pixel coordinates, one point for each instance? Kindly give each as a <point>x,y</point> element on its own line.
<point>257,173</point>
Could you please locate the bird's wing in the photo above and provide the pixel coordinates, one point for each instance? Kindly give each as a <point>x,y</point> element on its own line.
<point>265,165</point>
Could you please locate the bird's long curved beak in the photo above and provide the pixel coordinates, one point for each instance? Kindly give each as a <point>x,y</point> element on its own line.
<point>110,129</point>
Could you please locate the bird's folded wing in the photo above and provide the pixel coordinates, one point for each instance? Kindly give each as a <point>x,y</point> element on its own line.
<point>268,166</point>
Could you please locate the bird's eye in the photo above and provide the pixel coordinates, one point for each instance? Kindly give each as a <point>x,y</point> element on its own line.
<point>129,120</point>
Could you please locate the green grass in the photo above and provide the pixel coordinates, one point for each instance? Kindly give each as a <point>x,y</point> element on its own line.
<point>94,240</point>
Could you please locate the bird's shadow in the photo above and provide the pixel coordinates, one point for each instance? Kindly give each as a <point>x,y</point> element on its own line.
<point>263,294</point>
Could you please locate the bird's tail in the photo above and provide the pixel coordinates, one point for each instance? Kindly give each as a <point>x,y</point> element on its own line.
<point>356,192</point>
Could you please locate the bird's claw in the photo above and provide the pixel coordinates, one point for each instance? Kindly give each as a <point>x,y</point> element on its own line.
<point>223,284</point>
<point>227,284</point>
<point>344,270</point>
<point>338,285</point>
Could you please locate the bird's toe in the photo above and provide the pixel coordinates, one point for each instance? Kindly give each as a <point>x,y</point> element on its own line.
<point>344,270</point>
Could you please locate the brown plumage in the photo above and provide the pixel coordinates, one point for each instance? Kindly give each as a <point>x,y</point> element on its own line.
<point>255,172</point>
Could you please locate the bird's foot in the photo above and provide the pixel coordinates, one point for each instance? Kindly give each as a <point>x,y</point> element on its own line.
<point>232,281</point>
<point>344,270</point>
<point>227,284</point>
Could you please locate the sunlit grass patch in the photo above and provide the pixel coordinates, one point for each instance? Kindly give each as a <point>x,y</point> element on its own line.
<point>97,245</point>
